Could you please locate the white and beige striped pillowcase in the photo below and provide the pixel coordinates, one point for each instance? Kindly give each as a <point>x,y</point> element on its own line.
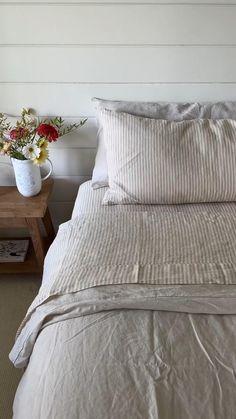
<point>164,162</point>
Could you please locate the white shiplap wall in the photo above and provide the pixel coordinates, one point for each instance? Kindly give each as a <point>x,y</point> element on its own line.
<point>56,55</point>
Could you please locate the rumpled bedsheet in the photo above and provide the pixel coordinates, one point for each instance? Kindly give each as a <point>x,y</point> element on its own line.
<point>187,299</point>
<point>110,354</point>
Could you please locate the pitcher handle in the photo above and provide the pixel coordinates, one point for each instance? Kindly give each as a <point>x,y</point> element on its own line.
<point>50,171</point>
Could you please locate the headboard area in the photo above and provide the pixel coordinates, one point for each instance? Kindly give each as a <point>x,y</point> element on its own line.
<point>138,51</point>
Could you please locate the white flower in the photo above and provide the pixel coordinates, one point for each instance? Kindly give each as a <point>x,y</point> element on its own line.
<point>28,116</point>
<point>30,119</point>
<point>6,135</point>
<point>31,151</point>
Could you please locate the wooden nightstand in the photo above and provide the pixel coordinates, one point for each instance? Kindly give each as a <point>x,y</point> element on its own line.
<point>17,211</point>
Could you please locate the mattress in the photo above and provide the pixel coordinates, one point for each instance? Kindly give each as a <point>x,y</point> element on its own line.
<point>150,351</point>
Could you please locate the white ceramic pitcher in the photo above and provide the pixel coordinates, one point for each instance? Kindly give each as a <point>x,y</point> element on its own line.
<point>28,176</point>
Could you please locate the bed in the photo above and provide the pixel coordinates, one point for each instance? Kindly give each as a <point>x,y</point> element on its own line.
<point>136,315</point>
<point>128,351</point>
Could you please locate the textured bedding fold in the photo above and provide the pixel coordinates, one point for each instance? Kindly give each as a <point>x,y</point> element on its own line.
<point>189,246</point>
<point>179,259</point>
<point>199,299</point>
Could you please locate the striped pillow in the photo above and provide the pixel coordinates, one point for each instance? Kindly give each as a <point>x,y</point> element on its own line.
<point>154,161</point>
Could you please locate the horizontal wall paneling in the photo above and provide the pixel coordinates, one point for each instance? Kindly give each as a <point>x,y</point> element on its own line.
<point>118,24</point>
<point>111,2</point>
<point>68,99</point>
<point>73,161</point>
<point>143,65</point>
<point>70,161</point>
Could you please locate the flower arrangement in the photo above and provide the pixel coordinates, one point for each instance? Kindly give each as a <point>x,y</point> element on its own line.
<point>29,138</point>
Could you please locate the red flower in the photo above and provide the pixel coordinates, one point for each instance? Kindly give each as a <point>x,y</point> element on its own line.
<point>47,131</point>
<point>17,133</point>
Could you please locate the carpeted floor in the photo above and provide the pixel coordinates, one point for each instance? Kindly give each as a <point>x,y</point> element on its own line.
<point>16,294</point>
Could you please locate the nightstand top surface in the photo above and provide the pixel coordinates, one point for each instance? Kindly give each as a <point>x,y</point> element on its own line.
<point>14,205</point>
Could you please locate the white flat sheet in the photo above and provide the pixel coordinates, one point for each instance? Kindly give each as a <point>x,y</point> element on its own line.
<point>88,199</point>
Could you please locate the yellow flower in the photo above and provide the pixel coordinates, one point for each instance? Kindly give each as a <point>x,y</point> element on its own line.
<point>43,144</point>
<point>5,148</point>
<point>42,157</point>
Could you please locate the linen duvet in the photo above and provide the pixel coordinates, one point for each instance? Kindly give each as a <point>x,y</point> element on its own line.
<point>136,316</point>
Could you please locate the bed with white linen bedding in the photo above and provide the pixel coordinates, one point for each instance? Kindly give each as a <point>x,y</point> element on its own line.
<point>112,341</point>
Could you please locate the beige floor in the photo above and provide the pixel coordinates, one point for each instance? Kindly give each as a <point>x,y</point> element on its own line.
<point>16,294</point>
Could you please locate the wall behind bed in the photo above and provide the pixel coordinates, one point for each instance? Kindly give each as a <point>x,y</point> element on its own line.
<point>56,55</point>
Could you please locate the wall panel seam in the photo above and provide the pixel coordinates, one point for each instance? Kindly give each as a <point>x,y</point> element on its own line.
<point>72,148</point>
<point>56,4</point>
<point>70,176</point>
<point>91,45</point>
<point>65,117</point>
<point>136,83</point>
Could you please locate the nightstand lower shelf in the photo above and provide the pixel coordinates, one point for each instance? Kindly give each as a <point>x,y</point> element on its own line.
<point>30,264</point>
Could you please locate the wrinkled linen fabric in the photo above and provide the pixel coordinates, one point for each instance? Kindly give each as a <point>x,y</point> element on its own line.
<point>131,364</point>
<point>127,351</point>
<point>187,299</point>
<point>171,111</point>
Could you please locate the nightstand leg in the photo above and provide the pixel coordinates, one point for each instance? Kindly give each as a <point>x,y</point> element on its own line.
<point>47,221</point>
<point>34,229</point>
